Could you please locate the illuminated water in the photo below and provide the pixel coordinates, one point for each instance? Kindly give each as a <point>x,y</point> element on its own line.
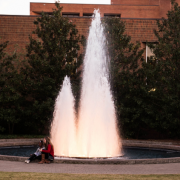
<point>94,133</point>
<point>63,131</point>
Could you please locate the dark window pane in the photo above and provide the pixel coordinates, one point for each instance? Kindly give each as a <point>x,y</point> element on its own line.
<point>88,14</point>
<point>70,14</point>
<point>112,15</point>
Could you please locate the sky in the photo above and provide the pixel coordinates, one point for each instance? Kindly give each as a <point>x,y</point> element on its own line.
<point>22,7</point>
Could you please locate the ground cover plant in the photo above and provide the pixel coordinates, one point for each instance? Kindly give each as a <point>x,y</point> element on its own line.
<point>48,176</point>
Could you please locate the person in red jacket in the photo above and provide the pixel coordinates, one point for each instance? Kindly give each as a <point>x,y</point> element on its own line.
<point>48,153</point>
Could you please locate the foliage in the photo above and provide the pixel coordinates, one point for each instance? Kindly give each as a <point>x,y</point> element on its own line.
<point>167,81</point>
<point>10,84</point>
<point>147,93</point>
<point>52,54</point>
<point>128,83</point>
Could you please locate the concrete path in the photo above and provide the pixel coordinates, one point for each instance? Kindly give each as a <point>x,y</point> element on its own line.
<point>13,166</point>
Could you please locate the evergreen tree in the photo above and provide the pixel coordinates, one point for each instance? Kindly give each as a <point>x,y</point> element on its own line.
<point>127,77</point>
<point>11,101</point>
<point>52,54</point>
<point>147,93</point>
<point>167,81</point>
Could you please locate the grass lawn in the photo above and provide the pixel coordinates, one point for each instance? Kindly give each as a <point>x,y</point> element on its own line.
<point>48,176</point>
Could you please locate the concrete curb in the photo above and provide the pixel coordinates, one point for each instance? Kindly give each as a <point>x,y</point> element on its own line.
<point>18,142</point>
<point>157,146</point>
<point>12,158</point>
<point>121,161</point>
<point>99,161</point>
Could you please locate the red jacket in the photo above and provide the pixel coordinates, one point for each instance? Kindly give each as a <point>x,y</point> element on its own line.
<point>49,150</point>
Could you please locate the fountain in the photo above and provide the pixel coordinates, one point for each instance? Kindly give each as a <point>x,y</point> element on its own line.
<point>94,134</point>
<point>63,131</point>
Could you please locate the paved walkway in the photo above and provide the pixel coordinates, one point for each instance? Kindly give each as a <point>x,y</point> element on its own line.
<point>13,166</point>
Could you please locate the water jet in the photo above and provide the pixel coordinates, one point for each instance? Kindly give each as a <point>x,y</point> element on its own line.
<point>94,134</point>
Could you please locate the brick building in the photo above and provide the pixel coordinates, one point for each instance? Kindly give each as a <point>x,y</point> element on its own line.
<point>139,15</point>
<point>125,8</point>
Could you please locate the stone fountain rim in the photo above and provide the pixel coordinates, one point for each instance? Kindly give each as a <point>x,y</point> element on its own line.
<point>169,145</point>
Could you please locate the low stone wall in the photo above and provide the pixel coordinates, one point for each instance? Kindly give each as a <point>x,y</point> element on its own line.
<point>171,145</point>
<point>120,161</point>
<point>174,145</point>
<point>18,142</point>
<point>12,158</point>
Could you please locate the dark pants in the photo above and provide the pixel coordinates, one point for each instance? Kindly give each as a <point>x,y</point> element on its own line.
<point>33,157</point>
<point>48,156</point>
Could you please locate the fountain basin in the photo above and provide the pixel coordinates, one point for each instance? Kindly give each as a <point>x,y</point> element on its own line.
<point>167,146</point>
<point>132,155</point>
<point>128,153</point>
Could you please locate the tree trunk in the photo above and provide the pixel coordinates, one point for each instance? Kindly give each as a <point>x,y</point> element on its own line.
<point>11,128</point>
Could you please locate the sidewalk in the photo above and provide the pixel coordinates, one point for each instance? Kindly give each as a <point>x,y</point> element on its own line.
<point>12,166</point>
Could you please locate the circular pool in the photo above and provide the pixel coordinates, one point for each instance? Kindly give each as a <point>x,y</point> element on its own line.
<point>129,152</point>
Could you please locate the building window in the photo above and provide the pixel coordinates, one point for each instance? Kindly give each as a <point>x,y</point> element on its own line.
<point>112,15</point>
<point>150,56</point>
<point>88,14</point>
<point>152,60</point>
<point>70,14</point>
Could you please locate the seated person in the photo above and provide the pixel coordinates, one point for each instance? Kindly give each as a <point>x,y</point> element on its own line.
<point>48,153</point>
<point>37,154</point>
